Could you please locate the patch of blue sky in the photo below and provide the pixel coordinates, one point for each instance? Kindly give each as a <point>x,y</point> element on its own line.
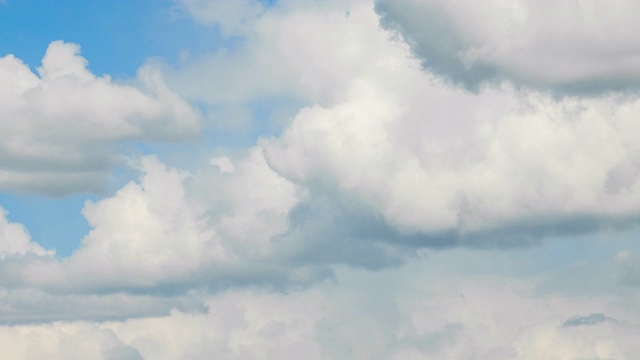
<point>55,223</point>
<point>115,36</point>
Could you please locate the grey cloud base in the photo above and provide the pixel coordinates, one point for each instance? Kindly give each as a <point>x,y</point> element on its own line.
<point>528,43</point>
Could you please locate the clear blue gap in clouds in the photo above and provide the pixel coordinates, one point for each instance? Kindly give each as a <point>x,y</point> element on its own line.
<point>116,37</point>
<point>55,223</point>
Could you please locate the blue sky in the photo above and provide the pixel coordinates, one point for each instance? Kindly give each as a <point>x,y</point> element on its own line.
<point>343,179</point>
<point>117,37</point>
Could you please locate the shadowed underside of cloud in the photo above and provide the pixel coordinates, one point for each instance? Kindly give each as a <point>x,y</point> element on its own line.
<point>591,319</point>
<point>32,306</point>
<point>165,235</point>
<point>526,42</point>
<point>416,318</point>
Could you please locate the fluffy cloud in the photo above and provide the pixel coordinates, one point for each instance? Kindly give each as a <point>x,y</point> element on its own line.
<point>302,50</point>
<point>145,233</point>
<point>439,165</point>
<point>498,165</point>
<point>529,42</point>
<point>60,129</point>
<point>390,159</point>
<point>514,160</point>
<point>15,240</point>
<point>384,163</point>
<point>172,231</point>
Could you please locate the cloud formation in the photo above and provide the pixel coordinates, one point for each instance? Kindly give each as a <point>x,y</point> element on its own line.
<point>396,215</point>
<point>15,240</point>
<point>61,128</point>
<point>414,318</point>
<point>501,165</point>
<point>572,46</point>
<point>388,161</point>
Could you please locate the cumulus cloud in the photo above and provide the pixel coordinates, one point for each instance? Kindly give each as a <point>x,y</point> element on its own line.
<point>523,162</point>
<point>500,167</point>
<point>60,128</point>
<point>389,160</point>
<point>416,317</point>
<point>435,160</point>
<point>171,231</point>
<point>383,161</point>
<point>15,240</point>
<point>574,46</point>
<point>302,50</point>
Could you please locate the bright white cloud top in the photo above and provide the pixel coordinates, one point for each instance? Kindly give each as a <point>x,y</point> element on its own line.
<point>345,179</point>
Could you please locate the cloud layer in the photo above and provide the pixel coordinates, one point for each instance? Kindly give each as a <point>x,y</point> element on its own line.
<point>413,318</point>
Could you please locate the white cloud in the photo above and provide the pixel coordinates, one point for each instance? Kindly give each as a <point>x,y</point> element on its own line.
<point>306,49</point>
<point>425,157</point>
<point>15,240</point>
<point>173,231</point>
<point>223,163</point>
<point>429,158</point>
<point>258,202</point>
<point>386,159</point>
<point>59,130</point>
<point>390,160</point>
<point>147,233</point>
<point>491,159</point>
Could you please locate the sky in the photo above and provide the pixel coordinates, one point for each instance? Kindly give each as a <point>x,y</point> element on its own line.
<point>319,179</point>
